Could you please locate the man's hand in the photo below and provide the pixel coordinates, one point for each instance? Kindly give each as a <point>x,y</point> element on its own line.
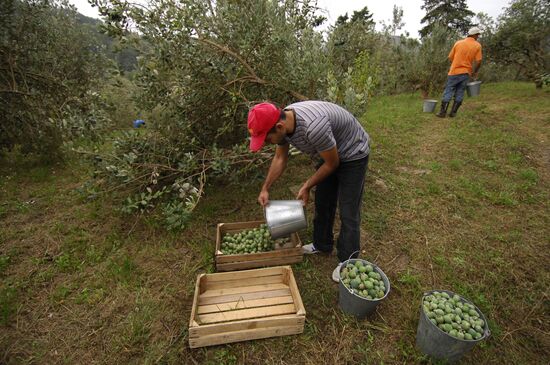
<point>303,194</point>
<point>474,76</point>
<point>263,198</point>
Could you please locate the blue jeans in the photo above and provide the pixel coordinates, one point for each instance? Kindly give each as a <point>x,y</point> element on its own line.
<point>456,84</point>
<point>345,188</point>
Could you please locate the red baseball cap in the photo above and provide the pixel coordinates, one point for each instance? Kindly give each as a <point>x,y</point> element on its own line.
<point>261,118</point>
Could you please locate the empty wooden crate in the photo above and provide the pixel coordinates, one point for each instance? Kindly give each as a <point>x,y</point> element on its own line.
<point>290,254</point>
<point>245,305</point>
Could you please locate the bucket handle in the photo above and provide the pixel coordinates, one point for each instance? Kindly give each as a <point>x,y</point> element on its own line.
<point>349,258</point>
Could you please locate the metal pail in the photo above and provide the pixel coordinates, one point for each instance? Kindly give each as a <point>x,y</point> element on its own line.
<point>284,217</point>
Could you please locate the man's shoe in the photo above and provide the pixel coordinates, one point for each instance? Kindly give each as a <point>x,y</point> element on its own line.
<point>443,112</point>
<point>336,273</point>
<point>309,249</point>
<point>454,109</point>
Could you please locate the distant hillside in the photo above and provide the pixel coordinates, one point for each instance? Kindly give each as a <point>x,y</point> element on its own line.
<point>124,55</point>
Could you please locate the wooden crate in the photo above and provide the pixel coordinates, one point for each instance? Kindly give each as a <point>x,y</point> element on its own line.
<point>245,305</point>
<point>282,256</point>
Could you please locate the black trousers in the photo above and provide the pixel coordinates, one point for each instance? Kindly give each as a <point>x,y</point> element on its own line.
<point>343,188</point>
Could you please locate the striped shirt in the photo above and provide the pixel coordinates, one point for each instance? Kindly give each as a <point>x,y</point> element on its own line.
<point>321,125</point>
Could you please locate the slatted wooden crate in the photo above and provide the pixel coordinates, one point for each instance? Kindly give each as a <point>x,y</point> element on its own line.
<point>289,254</point>
<point>245,305</point>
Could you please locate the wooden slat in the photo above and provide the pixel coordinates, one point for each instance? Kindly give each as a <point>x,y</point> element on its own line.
<point>243,304</point>
<point>240,314</point>
<point>252,334</point>
<point>192,321</point>
<point>243,275</point>
<point>259,263</point>
<point>283,252</point>
<point>245,296</point>
<point>241,290</point>
<point>272,279</point>
<point>277,321</point>
<point>301,310</point>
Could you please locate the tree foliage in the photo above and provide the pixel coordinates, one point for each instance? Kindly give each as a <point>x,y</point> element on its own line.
<point>210,62</point>
<point>522,39</point>
<point>49,67</point>
<point>453,14</point>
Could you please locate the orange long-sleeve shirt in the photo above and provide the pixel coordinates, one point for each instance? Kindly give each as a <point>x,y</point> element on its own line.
<point>462,55</point>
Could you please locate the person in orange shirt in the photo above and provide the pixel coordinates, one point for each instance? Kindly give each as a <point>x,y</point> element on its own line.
<point>462,56</point>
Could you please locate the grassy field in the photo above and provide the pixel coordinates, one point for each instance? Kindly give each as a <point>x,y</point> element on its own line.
<point>459,204</point>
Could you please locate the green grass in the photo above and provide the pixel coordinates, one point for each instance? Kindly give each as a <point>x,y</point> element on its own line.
<point>458,204</point>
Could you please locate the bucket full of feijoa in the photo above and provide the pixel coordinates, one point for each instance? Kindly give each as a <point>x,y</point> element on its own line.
<point>362,286</point>
<point>449,325</point>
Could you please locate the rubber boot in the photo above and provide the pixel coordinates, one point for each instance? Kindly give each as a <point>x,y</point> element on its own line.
<point>455,107</point>
<point>443,112</point>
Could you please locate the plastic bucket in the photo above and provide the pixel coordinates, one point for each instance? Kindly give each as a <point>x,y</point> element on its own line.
<point>473,88</point>
<point>284,217</point>
<point>352,303</point>
<point>435,342</point>
<point>429,106</point>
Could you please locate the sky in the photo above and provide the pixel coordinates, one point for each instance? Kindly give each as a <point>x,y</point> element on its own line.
<point>381,10</point>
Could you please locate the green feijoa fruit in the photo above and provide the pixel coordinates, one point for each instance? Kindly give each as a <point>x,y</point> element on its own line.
<point>478,328</point>
<point>465,325</point>
<point>478,335</point>
<point>346,281</point>
<point>448,309</point>
<point>358,264</point>
<point>361,286</point>
<point>447,327</point>
<point>373,274</point>
<point>372,293</point>
<point>472,332</point>
<point>458,311</point>
<point>380,294</point>
<point>481,322</point>
<point>460,335</point>
<point>473,313</point>
<point>447,318</point>
<point>445,295</point>
<point>433,305</point>
<point>468,336</point>
<point>349,266</point>
<point>433,321</point>
<point>457,318</point>
<point>456,298</point>
<point>453,332</point>
<point>352,273</point>
<point>439,312</point>
<point>370,298</point>
<point>429,298</point>
<point>436,294</point>
<point>441,306</point>
<point>362,269</point>
<point>363,276</point>
<point>455,325</point>
<point>369,268</point>
<point>441,326</point>
<point>355,283</point>
<point>369,285</point>
<point>430,314</point>
<point>439,319</point>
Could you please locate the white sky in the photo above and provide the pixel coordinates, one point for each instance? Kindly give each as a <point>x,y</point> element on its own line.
<point>381,10</point>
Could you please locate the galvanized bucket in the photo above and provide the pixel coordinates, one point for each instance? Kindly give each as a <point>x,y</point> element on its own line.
<point>352,303</point>
<point>284,217</point>
<point>473,88</point>
<point>429,105</point>
<point>435,342</point>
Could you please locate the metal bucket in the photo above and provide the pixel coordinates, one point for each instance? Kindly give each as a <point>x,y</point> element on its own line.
<point>429,105</point>
<point>435,342</point>
<point>473,88</point>
<point>284,217</point>
<point>354,304</point>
